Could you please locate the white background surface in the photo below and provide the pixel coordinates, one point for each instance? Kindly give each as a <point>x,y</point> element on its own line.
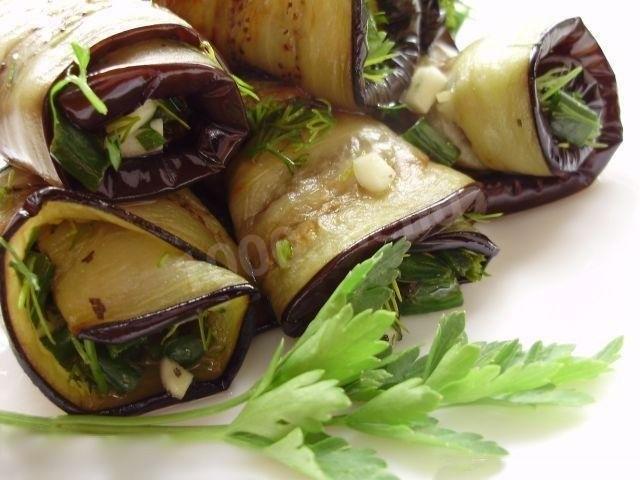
<point>568,272</point>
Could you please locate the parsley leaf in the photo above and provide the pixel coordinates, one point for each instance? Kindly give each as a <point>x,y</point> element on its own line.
<point>322,457</point>
<point>430,434</point>
<point>305,401</point>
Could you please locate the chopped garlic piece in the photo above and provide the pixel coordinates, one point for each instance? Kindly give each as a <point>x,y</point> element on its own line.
<point>175,379</point>
<point>426,83</point>
<point>373,173</point>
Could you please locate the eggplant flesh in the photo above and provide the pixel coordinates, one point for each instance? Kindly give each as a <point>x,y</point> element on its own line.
<point>119,281</point>
<point>330,221</point>
<point>489,100</point>
<point>148,53</point>
<point>288,40</point>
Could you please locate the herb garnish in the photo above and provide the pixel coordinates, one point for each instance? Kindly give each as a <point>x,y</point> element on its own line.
<point>572,121</point>
<point>287,129</point>
<point>380,48</point>
<point>79,153</point>
<point>455,14</point>
<point>35,272</point>
<point>342,372</point>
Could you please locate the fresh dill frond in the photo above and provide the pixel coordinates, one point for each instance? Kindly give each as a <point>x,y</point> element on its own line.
<point>287,130</point>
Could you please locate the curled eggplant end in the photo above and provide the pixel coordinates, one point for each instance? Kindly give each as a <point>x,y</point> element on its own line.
<point>98,347</point>
<point>402,28</point>
<point>567,45</point>
<point>161,132</point>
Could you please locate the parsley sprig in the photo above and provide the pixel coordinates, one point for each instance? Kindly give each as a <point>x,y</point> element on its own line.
<point>286,130</point>
<point>380,48</point>
<point>342,372</point>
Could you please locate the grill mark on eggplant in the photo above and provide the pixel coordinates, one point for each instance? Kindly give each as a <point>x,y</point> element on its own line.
<point>89,257</point>
<point>98,308</point>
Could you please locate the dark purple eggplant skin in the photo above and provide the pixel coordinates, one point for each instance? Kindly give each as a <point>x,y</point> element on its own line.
<point>220,128</point>
<point>31,208</point>
<point>471,240</point>
<point>468,239</point>
<point>415,228</point>
<point>432,26</point>
<point>405,19</point>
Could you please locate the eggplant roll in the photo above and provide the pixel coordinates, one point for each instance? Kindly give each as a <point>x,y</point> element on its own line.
<point>353,53</point>
<point>535,120</point>
<point>431,274</point>
<point>172,114</point>
<point>123,310</point>
<point>305,225</point>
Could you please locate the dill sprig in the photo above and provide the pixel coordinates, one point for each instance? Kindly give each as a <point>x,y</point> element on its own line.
<point>380,48</point>
<point>572,121</point>
<point>287,130</point>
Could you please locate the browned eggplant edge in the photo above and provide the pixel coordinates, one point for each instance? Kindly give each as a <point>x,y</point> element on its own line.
<point>471,240</point>
<point>144,177</point>
<point>405,18</point>
<point>415,227</point>
<point>32,206</point>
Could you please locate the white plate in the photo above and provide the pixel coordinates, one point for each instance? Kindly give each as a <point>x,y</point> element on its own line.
<point>568,272</point>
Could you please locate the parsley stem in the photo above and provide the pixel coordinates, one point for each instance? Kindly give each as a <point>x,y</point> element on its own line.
<point>155,420</point>
<point>55,425</point>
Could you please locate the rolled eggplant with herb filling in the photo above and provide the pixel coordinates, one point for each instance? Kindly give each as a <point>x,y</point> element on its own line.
<point>353,53</point>
<point>535,120</point>
<point>123,310</point>
<point>431,275</point>
<point>315,192</point>
<point>127,108</point>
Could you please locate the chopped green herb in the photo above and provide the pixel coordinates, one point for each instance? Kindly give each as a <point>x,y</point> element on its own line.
<point>380,48</point>
<point>284,252</point>
<point>91,359</point>
<point>121,376</point>
<point>150,139</point>
<point>164,258</point>
<point>246,89</point>
<point>431,282</point>
<point>36,274</point>
<point>278,126</point>
<point>120,129</point>
<point>439,148</point>
<point>572,121</point>
<point>79,153</point>
<point>171,110</point>
<point>112,146</point>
